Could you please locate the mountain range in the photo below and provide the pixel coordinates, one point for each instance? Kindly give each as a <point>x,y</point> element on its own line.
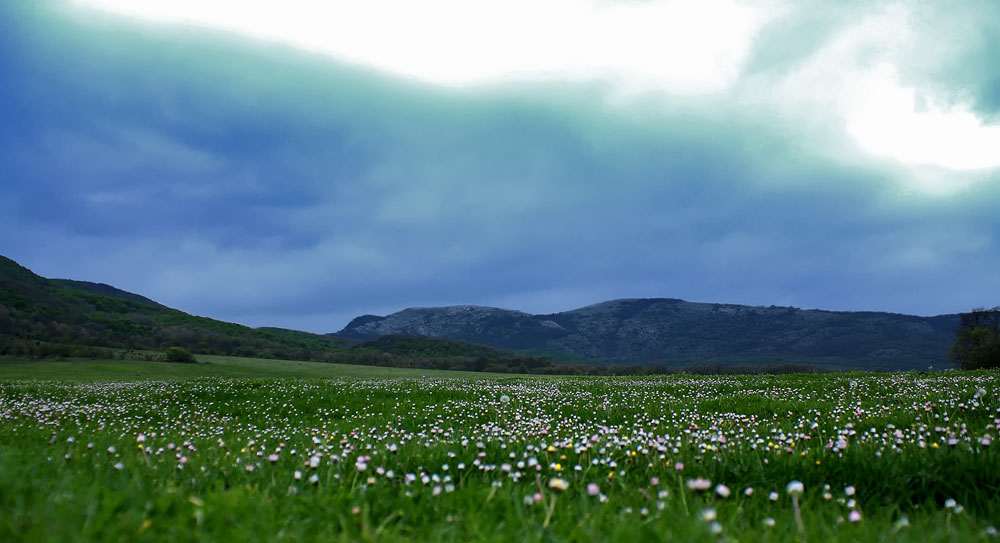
<point>47,318</point>
<point>39,316</point>
<point>677,333</point>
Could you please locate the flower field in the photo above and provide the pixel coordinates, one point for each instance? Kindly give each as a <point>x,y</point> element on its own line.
<point>901,457</point>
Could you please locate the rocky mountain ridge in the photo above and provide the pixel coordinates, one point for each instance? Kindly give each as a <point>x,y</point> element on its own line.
<point>676,332</point>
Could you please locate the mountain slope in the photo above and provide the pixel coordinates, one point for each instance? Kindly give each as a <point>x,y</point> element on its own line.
<point>105,290</point>
<point>677,332</point>
<point>36,310</point>
<point>43,318</point>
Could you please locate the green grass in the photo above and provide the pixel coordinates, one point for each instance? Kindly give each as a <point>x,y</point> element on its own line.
<point>208,366</point>
<point>439,456</point>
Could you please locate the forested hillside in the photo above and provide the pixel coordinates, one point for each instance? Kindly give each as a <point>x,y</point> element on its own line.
<point>44,318</point>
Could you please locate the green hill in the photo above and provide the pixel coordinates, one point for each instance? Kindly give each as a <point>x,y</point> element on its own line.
<point>46,318</point>
<point>39,316</point>
<point>105,290</point>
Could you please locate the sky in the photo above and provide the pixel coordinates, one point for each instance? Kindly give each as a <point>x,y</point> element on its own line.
<point>303,162</point>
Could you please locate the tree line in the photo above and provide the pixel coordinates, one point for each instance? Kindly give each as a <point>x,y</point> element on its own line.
<point>977,340</point>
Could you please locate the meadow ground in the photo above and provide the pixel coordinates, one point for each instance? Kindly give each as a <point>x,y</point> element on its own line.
<point>245,450</point>
<point>209,366</point>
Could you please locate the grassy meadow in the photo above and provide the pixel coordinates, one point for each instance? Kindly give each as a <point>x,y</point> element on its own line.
<point>251,450</point>
<point>208,366</point>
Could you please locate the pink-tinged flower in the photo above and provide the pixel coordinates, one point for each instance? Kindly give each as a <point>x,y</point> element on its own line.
<point>700,484</point>
<point>654,481</point>
<point>538,496</point>
<point>141,438</point>
<point>593,489</point>
<point>679,466</point>
<point>854,516</point>
<point>748,491</point>
<point>272,457</point>
<point>722,491</point>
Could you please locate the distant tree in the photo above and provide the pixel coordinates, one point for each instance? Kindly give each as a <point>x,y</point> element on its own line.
<point>977,340</point>
<point>178,354</point>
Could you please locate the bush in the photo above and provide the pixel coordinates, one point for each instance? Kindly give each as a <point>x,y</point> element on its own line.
<point>177,354</point>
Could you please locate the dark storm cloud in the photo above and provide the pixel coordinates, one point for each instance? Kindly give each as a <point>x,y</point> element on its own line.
<point>253,183</point>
